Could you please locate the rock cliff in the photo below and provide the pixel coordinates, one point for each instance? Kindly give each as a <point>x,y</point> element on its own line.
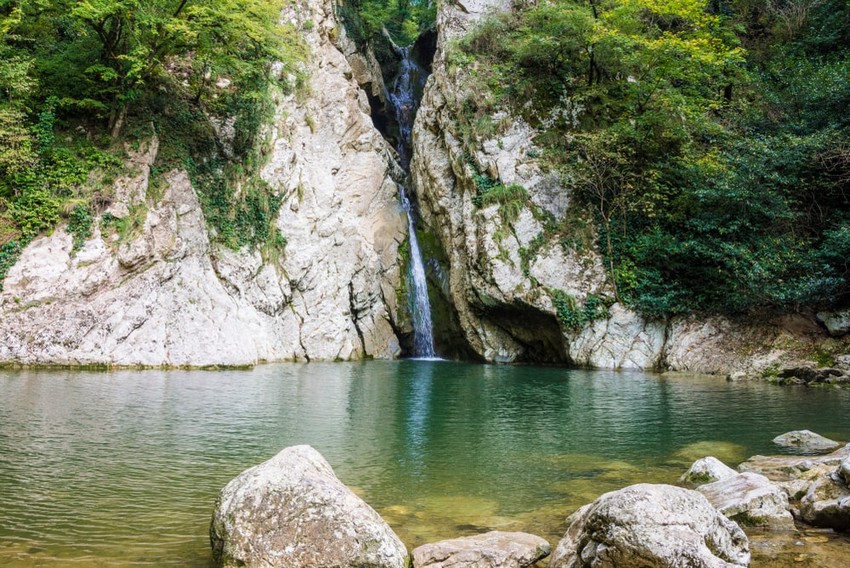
<point>168,296</point>
<point>526,293</point>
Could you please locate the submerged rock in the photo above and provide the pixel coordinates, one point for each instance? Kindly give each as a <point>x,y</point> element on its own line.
<point>292,511</point>
<point>806,441</point>
<point>707,470</point>
<point>788,468</point>
<point>494,549</point>
<point>651,526</point>
<point>750,499</point>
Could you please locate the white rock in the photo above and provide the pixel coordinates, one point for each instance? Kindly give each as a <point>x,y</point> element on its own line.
<point>707,470</point>
<point>652,526</point>
<point>291,511</point>
<point>494,549</point>
<point>751,500</point>
<point>844,471</point>
<point>805,441</point>
<point>827,503</point>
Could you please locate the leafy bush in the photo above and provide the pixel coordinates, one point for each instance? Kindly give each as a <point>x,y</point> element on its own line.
<point>573,317</point>
<point>80,225</point>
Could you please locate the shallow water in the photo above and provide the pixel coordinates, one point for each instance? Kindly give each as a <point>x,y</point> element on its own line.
<point>122,468</point>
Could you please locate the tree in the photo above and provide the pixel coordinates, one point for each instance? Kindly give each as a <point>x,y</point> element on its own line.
<point>139,38</point>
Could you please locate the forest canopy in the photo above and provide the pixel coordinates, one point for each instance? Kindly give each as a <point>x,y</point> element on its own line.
<point>710,137</point>
<point>76,76</point>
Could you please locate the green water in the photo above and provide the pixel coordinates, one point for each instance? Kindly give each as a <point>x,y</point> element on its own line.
<point>122,468</point>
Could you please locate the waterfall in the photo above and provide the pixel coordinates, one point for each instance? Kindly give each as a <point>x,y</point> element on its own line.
<point>404,99</point>
<point>423,336</point>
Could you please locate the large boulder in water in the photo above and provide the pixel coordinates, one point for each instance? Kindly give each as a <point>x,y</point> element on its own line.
<point>751,500</point>
<point>494,549</point>
<point>293,512</point>
<point>651,526</point>
<point>806,441</point>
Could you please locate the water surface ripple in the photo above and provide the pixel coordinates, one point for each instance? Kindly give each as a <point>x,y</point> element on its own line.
<point>122,468</point>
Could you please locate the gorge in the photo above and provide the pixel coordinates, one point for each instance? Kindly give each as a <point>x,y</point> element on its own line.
<point>413,258</point>
<point>513,290</point>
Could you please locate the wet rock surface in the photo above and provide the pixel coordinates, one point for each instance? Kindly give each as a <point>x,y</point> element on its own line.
<point>811,376</point>
<point>494,549</point>
<point>806,441</point>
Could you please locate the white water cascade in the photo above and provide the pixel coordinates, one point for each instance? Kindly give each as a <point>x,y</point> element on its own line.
<point>404,101</point>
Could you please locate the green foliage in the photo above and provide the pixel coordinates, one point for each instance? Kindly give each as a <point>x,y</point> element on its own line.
<point>573,317</point>
<point>710,140</point>
<point>9,254</point>
<point>35,211</point>
<point>101,56</point>
<point>510,198</point>
<point>80,225</point>
<point>404,20</point>
<point>74,72</point>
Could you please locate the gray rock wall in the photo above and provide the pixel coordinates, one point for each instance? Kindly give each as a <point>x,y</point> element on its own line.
<point>169,297</point>
<point>505,276</point>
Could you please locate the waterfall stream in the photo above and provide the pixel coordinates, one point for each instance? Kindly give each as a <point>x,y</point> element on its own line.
<point>404,99</point>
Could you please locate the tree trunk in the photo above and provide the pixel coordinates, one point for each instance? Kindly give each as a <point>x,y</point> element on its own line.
<point>116,121</point>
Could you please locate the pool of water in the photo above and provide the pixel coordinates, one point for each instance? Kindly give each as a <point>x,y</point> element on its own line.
<point>122,468</point>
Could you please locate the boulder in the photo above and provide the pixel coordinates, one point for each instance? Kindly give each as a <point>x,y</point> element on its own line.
<point>750,499</point>
<point>706,470</point>
<point>494,549</point>
<point>827,503</point>
<point>806,441</point>
<point>292,511</point>
<point>651,526</point>
<point>836,323</point>
<point>810,376</point>
<point>788,468</point>
<point>844,471</point>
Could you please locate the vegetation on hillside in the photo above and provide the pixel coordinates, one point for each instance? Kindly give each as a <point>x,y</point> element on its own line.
<point>403,20</point>
<point>711,138</point>
<point>80,78</point>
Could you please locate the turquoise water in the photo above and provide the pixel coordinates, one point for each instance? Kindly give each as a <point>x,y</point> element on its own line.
<point>122,468</point>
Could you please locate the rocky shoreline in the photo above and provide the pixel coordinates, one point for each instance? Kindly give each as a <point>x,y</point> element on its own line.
<point>292,511</point>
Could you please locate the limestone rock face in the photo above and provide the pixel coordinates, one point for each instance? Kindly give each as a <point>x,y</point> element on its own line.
<point>512,283</point>
<point>707,470</point>
<point>751,500</point>
<point>293,512</point>
<point>651,526</point>
<point>806,441</point>
<point>494,549</point>
<point>166,296</point>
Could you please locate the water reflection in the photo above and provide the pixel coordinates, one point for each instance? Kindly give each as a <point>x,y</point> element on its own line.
<point>418,410</point>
